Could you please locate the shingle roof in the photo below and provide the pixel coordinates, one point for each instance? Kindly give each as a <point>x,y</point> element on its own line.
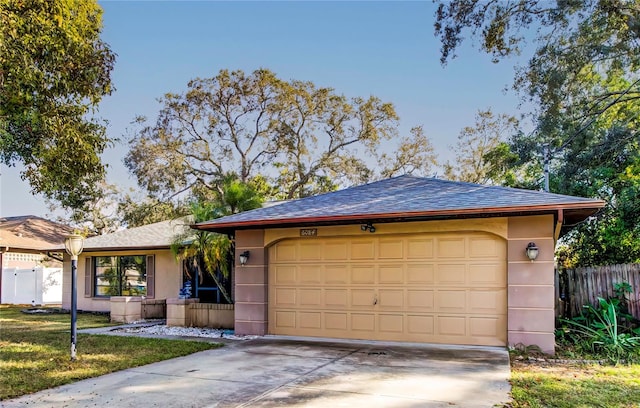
<point>29,232</point>
<point>403,198</point>
<point>157,235</point>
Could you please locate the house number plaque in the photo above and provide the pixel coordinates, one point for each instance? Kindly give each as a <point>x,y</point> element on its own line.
<point>309,232</point>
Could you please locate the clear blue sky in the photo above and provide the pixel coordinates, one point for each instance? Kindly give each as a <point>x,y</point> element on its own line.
<point>386,49</point>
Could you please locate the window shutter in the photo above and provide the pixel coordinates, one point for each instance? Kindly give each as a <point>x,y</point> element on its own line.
<point>151,276</point>
<point>88,276</point>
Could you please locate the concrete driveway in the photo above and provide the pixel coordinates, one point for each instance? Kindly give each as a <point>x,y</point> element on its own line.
<point>276,371</point>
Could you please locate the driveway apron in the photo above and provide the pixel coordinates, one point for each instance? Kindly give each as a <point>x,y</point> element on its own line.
<point>277,371</point>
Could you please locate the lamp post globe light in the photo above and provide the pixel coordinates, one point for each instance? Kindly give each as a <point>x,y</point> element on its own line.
<point>73,245</point>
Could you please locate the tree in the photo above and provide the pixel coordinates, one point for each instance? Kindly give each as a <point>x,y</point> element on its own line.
<point>302,138</point>
<point>584,78</point>
<point>54,70</point>
<point>585,69</point>
<point>99,216</point>
<point>324,137</point>
<point>609,170</point>
<point>234,196</point>
<point>135,211</point>
<point>413,155</point>
<point>210,252</point>
<point>477,146</point>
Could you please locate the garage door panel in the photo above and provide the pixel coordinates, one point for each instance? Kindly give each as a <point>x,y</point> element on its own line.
<point>337,298</point>
<point>363,322</point>
<point>441,288</point>
<point>485,247</point>
<point>336,274</point>
<point>391,274</point>
<point>363,274</point>
<point>285,251</point>
<point>362,298</point>
<point>488,302</point>
<point>335,250</point>
<point>452,325</point>
<point>420,324</point>
<point>391,299</point>
<point>391,323</point>
<point>451,274</point>
<point>284,274</point>
<point>336,321</point>
<point>391,249</point>
<point>310,274</point>
<point>363,250</point>
<point>420,248</point>
<point>309,252</point>
<point>421,274</point>
<point>310,297</point>
<point>451,247</point>
<point>422,300</point>
<point>484,326</point>
<point>451,301</point>
<point>310,320</point>
<point>285,319</point>
<point>285,297</point>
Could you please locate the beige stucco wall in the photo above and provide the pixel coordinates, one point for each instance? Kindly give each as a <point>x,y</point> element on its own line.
<point>531,303</point>
<point>530,284</point>
<point>168,278</point>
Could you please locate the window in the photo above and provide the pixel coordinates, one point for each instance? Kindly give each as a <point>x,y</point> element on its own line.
<point>120,275</point>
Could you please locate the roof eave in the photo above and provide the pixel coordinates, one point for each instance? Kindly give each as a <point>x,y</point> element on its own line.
<point>118,248</point>
<point>587,208</point>
<point>22,250</point>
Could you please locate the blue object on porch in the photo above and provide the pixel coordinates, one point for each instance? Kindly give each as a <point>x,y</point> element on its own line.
<point>185,292</point>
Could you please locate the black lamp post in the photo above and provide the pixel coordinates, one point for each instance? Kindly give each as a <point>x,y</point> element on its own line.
<point>73,245</point>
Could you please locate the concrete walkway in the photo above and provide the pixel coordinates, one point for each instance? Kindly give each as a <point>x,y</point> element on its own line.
<point>278,371</point>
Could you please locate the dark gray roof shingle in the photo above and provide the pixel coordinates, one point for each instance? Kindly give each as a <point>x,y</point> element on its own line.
<point>404,196</point>
<point>157,235</point>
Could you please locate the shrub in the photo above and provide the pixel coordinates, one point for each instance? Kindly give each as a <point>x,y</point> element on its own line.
<point>601,331</point>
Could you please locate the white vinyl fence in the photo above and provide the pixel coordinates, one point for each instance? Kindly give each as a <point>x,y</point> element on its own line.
<point>35,286</point>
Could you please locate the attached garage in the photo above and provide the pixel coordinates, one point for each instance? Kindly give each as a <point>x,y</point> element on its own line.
<point>436,288</point>
<point>403,259</point>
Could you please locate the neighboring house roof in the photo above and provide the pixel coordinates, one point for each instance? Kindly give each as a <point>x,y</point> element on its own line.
<point>407,198</point>
<point>30,233</point>
<point>159,235</point>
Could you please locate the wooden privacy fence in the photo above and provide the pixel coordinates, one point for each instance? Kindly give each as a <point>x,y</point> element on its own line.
<point>582,286</point>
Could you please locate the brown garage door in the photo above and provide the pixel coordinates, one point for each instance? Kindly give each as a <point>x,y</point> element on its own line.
<point>438,288</point>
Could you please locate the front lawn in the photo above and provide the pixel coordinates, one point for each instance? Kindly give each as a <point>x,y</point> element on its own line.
<point>571,385</point>
<point>35,350</point>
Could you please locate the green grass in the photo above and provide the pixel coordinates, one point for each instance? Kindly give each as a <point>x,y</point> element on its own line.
<point>574,386</point>
<point>35,351</point>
